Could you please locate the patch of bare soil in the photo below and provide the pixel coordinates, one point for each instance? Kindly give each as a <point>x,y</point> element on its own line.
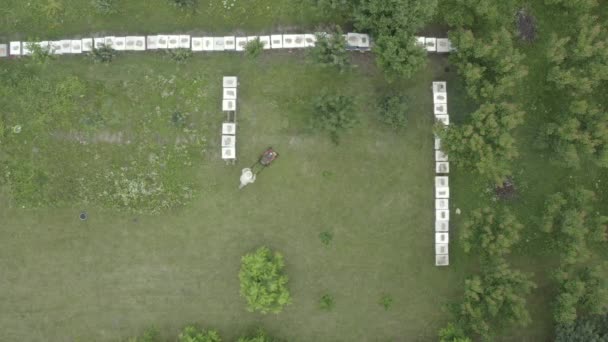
<point>526,26</point>
<point>506,191</point>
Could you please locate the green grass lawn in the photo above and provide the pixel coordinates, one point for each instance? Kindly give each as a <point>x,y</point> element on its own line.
<point>117,273</point>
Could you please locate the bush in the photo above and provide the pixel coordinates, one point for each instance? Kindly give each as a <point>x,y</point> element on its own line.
<point>330,50</point>
<point>150,335</point>
<point>104,6</point>
<point>263,283</point>
<point>184,4</point>
<point>453,333</point>
<point>254,48</point>
<point>326,238</point>
<point>40,55</point>
<point>393,111</point>
<point>194,334</point>
<point>334,113</point>
<point>180,55</point>
<point>326,302</point>
<point>104,54</point>
<point>259,336</point>
<point>386,301</point>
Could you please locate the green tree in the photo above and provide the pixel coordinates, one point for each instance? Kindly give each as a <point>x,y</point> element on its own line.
<point>492,67</point>
<point>453,333</point>
<point>389,17</point>
<point>573,223</point>
<point>393,110</point>
<point>498,295</point>
<point>326,237</point>
<point>330,50</point>
<point>194,334</point>
<point>254,48</point>
<point>399,56</point>
<point>334,114</point>
<point>580,291</point>
<point>490,233</point>
<point>580,131</point>
<point>573,5</point>
<point>485,144</point>
<point>580,64</point>
<point>263,283</point>
<point>590,328</point>
<point>480,14</point>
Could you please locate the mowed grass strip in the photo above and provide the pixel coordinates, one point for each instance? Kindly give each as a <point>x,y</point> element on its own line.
<point>117,273</point>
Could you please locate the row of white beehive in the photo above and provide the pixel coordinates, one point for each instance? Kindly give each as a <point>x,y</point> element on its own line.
<point>229,96</point>
<point>355,41</point>
<point>442,185</point>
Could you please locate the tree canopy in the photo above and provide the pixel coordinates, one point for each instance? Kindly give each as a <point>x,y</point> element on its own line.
<point>490,233</point>
<point>263,283</point>
<point>334,113</point>
<point>399,55</point>
<point>491,66</point>
<point>484,144</point>
<point>573,223</point>
<point>498,295</point>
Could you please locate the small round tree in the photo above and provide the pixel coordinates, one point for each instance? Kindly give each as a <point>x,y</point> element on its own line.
<point>263,283</point>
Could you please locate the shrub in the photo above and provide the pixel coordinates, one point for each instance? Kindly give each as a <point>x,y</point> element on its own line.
<point>393,111</point>
<point>194,334</point>
<point>104,54</point>
<point>334,114</point>
<point>259,336</point>
<point>40,55</point>
<point>386,301</point>
<point>330,50</point>
<point>180,55</point>
<point>184,4</point>
<point>453,333</point>
<point>254,48</point>
<point>326,302</point>
<point>104,6</point>
<point>326,238</point>
<point>263,283</point>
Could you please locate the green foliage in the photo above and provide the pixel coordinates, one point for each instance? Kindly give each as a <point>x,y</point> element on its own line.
<point>40,55</point>
<point>326,237</point>
<point>103,54</point>
<point>104,7</point>
<point>181,56</point>
<point>492,67</point>
<point>150,335</point>
<point>498,295</point>
<point>485,144</point>
<point>453,333</point>
<point>334,113</point>
<point>573,5</point>
<point>259,336</point>
<point>390,17</point>
<point>584,329</point>
<point>573,223</point>
<point>580,291</point>
<point>76,153</point>
<point>194,334</point>
<point>579,70</point>
<point>326,302</point>
<point>386,301</point>
<point>263,283</point>
<point>490,233</point>
<point>480,14</point>
<point>254,48</point>
<point>393,110</point>
<point>184,4</point>
<point>399,56</point>
<point>330,51</point>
